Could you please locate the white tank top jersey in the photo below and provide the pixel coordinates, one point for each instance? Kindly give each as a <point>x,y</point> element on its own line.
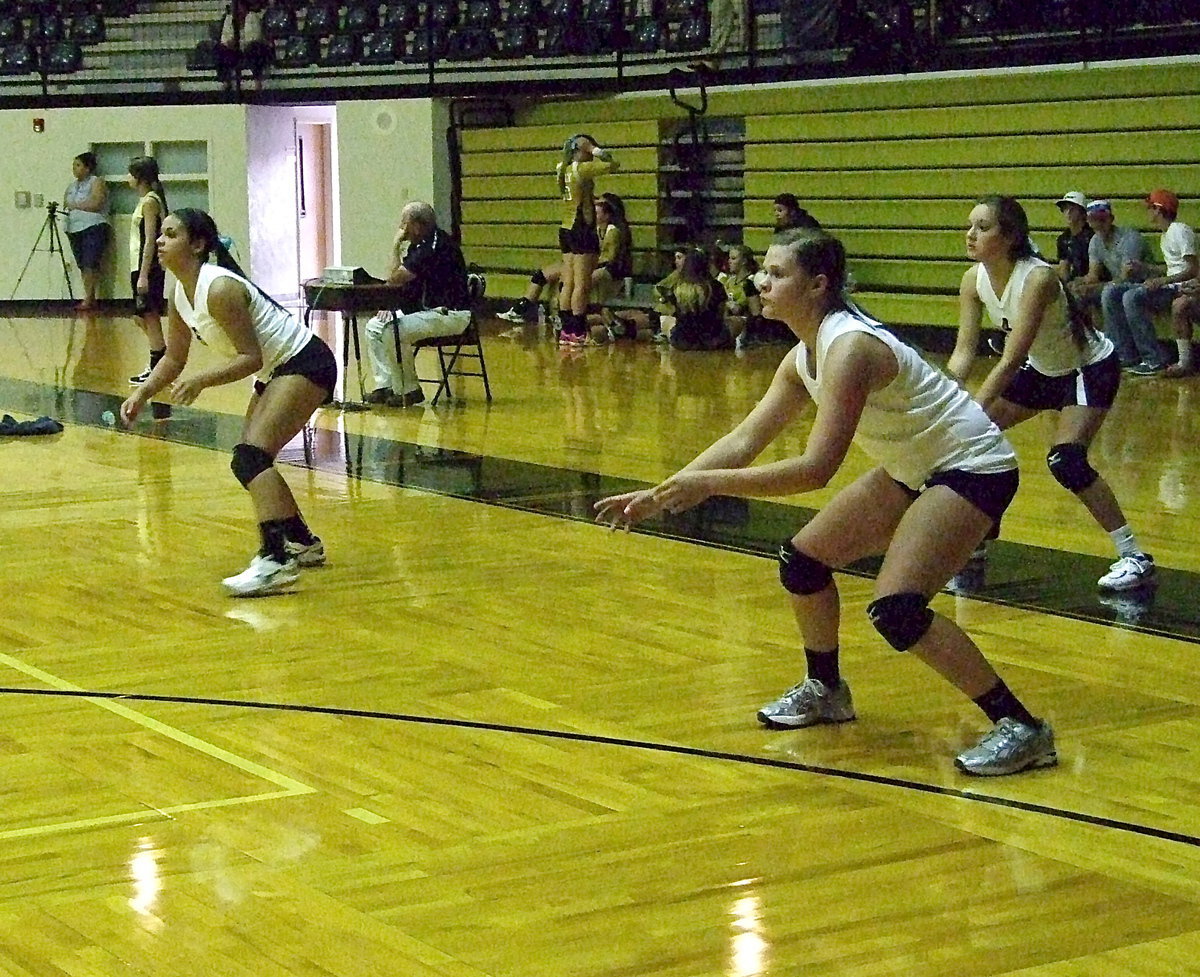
<point>279,335</point>
<point>920,423</point>
<point>1053,352</point>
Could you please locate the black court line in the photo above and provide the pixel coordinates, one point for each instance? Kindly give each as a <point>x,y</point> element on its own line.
<point>856,776</point>
<point>1034,578</point>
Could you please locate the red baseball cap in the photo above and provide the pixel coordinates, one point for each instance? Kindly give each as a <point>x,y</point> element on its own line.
<point>1164,200</point>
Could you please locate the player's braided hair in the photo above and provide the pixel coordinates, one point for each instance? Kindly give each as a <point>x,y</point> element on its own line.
<point>819,253</point>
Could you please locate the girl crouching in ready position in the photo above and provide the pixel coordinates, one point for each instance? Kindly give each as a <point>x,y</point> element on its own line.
<point>296,374</point>
<point>945,475</point>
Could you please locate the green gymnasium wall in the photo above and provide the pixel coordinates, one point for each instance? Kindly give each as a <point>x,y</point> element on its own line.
<point>892,166</point>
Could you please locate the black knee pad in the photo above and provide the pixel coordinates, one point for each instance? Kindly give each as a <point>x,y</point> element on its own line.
<point>902,619</point>
<point>538,278</point>
<point>800,573</point>
<point>249,461</point>
<point>1069,465</point>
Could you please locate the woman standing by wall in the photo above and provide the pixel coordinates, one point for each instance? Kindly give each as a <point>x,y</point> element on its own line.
<point>86,205</point>
<point>146,276</point>
<point>578,241</point>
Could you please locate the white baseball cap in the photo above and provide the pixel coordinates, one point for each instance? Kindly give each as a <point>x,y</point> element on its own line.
<point>1073,197</point>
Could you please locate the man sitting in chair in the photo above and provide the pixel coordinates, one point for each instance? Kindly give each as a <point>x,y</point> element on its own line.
<point>429,264</point>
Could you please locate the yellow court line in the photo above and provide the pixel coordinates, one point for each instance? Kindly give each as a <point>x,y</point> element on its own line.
<point>290,787</point>
<point>149,814</point>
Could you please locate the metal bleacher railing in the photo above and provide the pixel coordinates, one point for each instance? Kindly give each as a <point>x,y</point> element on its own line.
<point>167,50</point>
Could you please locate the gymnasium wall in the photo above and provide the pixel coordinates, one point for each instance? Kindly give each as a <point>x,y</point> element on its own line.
<point>389,152</point>
<point>41,163</point>
<point>891,165</point>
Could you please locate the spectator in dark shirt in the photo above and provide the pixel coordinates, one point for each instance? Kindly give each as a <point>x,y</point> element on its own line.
<point>430,266</point>
<point>789,215</point>
<point>1073,242</point>
<point>698,302</point>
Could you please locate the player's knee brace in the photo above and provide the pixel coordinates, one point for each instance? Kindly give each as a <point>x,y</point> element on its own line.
<point>249,461</point>
<point>800,573</point>
<point>1069,465</point>
<point>902,619</point>
<point>538,278</point>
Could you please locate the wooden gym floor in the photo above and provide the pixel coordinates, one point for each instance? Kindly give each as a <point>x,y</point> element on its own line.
<point>492,738</point>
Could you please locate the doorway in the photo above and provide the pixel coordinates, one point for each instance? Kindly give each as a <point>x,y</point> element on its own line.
<point>292,196</point>
<point>314,198</point>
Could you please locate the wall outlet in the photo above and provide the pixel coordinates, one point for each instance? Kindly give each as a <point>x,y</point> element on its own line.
<point>21,199</point>
<point>38,200</point>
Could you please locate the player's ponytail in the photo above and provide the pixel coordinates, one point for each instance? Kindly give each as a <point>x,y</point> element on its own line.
<point>144,169</point>
<point>1013,223</point>
<point>202,229</point>
<point>820,253</point>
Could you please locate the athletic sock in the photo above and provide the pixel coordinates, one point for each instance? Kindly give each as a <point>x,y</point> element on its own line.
<point>295,528</point>
<point>998,703</point>
<point>274,539</point>
<point>155,356</point>
<point>1185,353</point>
<point>1125,542</point>
<point>823,666</point>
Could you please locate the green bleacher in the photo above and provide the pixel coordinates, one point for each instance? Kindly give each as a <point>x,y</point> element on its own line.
<point>892,166</point>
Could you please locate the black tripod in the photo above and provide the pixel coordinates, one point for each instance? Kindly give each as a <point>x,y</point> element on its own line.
<point>53,246</point>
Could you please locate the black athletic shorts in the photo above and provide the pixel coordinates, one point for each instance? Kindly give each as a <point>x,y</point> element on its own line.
<point>88,246</point>
<point>579,238</point>
<point>1090,386</point>
<point>616,270</point>
<point>315,362</point>
<point>154,300</point>
<point>991,494</point>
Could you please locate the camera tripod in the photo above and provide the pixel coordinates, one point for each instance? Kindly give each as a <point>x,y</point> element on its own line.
<point>54,245</point>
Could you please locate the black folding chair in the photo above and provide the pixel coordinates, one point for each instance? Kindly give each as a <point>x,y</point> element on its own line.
<point>461,355</point>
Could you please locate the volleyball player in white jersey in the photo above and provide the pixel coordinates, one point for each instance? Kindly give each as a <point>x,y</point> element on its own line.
<point>1052,360</point>
<point>945,475</point>
<point>218,305</point>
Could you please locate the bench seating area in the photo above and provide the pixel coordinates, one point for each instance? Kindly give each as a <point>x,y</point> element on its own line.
<point>892,166</point>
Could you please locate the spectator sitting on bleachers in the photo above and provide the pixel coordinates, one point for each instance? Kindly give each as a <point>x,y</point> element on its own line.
<point>789,215</point>
<point>1113,254</point>
<point>1072,244</point>
<point>1134,332</point>
<point>697,302</point>
<point>255,54</point>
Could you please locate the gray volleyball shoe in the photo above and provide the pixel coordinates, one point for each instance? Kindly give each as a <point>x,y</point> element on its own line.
<point>1010,747</point>
<point>807,704</point>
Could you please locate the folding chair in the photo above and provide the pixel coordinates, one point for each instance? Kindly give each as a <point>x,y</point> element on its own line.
<point>453,350</point>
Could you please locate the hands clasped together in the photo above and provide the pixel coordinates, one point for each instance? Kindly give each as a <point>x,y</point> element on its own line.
<point>678,493</point>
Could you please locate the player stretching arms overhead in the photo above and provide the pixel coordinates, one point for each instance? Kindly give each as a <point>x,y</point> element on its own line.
<point>945,475</point>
